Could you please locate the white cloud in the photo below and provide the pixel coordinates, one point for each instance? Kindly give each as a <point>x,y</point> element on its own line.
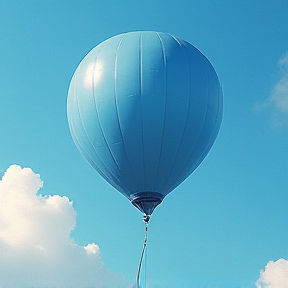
<point>279,97</point>
<point>278,101</point>
<point>275,275</point>
<point>35,245</point>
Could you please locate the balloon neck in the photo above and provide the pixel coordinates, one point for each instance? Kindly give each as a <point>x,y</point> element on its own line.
<point>146,202</point>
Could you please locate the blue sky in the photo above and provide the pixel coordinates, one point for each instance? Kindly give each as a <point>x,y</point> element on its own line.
<point>226,221</point>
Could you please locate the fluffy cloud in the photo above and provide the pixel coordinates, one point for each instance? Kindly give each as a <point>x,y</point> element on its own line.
<point>35,245</point>
<point>278,101</point>
<point>275,275</point>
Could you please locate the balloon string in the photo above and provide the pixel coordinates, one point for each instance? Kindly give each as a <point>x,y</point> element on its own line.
<point>142,254</point>
<point>145,267</point>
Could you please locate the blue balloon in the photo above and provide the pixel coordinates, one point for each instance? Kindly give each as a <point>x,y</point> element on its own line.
<point>144,109</point>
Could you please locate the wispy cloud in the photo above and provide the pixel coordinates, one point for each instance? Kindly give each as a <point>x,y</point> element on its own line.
<point>275,275</point>
<point>278,101</point>
<point>35,245</point>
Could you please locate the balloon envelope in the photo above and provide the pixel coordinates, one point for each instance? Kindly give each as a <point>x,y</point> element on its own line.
<point>144,109</point>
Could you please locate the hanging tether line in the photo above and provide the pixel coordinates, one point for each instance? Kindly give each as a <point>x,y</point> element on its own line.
<point>146,219</point>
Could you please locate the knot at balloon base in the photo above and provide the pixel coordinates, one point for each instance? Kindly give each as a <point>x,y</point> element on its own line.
<point>146,218</point>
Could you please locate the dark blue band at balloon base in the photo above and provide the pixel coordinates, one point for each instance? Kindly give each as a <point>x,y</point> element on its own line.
<point>146,201</point>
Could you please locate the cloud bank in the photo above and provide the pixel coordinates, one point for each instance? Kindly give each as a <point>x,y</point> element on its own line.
<point>36,250</point>
<point>35,245</point>
<point>275,275</point>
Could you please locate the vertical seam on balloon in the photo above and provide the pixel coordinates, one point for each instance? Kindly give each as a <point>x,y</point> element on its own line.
<point>117,111</point>
<point>215,126</point>
<point>165,106</point>
<point>141,105</point>
<point>97,115</point>
<point>206,113</point>
<point>200,133</point>
<point>187,116</point>
<point>78,142</point>
<point>80,146</point>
